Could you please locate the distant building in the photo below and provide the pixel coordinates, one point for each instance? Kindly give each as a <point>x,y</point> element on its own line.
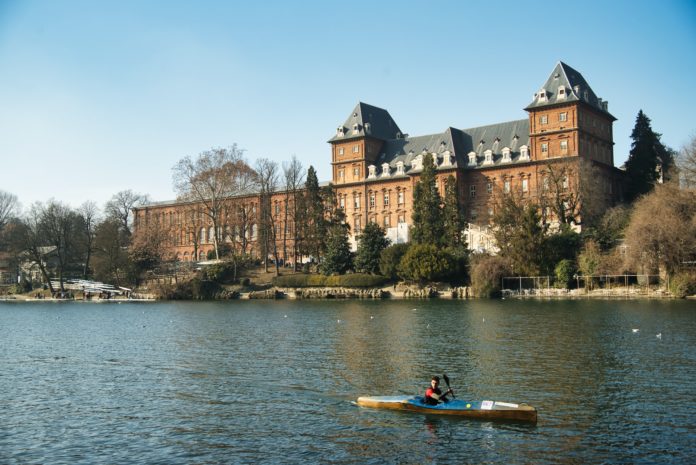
<point>562,149</point>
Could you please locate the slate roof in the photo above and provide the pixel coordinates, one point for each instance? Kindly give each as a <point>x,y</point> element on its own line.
<point>494,137</point>
<point>371,121</point>
<point>576,90</point>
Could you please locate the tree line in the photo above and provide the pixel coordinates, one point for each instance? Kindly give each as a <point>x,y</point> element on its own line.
<point>652,230</point>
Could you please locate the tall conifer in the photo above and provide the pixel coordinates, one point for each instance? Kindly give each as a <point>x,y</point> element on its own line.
<point>428,227</point>
<point>647,161</point>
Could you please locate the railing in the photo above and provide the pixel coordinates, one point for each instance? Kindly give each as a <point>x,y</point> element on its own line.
<point>626,285</point>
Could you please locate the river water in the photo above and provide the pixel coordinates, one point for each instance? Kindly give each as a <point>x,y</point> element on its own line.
<point>272,382</point>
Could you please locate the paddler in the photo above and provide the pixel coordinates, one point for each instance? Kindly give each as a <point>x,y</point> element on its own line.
<point>433,395</point>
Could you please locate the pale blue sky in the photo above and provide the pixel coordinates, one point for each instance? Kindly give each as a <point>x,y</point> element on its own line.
<point>98,97</point>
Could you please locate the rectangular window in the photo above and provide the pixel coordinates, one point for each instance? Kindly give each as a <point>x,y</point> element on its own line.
<point>563,116</point>
<point>340,151</point>
<point>544,147</point>
<point>386,221</point>
<point>472,191</point>
<point>506,186</point>
<point>357,225</point>
<point>400,198</point>
<point>342,202</point>
<point>372,200</point>
<point>489,188</point>
<point>341,174</point>
<point>544,119</point>
<point>386,199</point>
<point>356,172</point>
<point>356,149</point>
<point>564,146</point>
<point>525,185</point>
<point>402,219</point>
<point>356,201</point>
<point>564,182</point>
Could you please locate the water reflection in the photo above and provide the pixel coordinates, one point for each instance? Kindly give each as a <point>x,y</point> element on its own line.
<point>272,382</point>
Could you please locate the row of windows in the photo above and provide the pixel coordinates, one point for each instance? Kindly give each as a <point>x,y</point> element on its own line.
<point>386,199</point>
<point>563,146</point>
<point>386,222</point>
<point>562,117</point>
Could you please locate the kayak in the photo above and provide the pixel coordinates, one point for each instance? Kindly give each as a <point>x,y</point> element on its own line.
<point>484,410</point>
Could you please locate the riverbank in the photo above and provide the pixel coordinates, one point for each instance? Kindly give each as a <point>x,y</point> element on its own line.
<point>389,293</point>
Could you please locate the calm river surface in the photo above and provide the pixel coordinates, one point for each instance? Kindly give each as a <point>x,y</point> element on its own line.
<point>272,382</point>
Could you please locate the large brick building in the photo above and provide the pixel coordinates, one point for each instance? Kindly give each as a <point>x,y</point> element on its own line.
<point>564,147</point>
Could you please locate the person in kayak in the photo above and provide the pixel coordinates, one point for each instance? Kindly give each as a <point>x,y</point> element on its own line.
<point>433,395</point>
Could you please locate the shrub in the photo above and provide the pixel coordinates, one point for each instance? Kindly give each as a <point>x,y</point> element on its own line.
<point>315,280</point>
<point>389,260</point>
<point>424,263</point>
<point>194,289</point>
<point>683,284</point>
<point>486,274</point>
<point>564,272</point>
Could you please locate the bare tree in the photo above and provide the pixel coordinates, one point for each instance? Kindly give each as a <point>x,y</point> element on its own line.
<point>558,194</point>
<point>9,207</point>
<point>192,224</point>
<point>686,163</point>
<point>294,178</point>
<point>88,214</point>
<point>59,223</point>
<point>210,179</point>
<point>267,172</point>
<point>29,240</point>
<point>121,205</point>
<point>661,234</point>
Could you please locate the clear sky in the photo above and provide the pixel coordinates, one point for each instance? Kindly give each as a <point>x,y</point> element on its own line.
<point>102,96</point>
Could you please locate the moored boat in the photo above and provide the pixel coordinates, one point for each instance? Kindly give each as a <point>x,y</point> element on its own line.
<point>484,410</point>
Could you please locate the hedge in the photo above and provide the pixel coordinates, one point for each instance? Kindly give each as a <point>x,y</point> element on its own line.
<point>318,280</point>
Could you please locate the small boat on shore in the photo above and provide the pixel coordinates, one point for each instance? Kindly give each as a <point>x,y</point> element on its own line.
<point>483,410</point>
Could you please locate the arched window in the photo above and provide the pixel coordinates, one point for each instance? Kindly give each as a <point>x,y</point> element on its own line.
<point>211,235</point>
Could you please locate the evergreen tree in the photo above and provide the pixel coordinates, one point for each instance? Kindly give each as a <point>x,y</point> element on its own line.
<point>519,235</point>
<point>337,259</point>
<point>428,227</point>
<point>453,216</point>
<point>371,243</point>
<point>314,225</point>
<point>648,160</point>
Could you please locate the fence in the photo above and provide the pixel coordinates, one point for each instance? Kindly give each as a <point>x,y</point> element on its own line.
<point>625,285</point>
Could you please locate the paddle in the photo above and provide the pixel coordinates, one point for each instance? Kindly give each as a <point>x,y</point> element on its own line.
<point>446,378</point>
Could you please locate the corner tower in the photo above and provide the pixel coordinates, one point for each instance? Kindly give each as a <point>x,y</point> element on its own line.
<point>566,119</point>
<point>358,141</point>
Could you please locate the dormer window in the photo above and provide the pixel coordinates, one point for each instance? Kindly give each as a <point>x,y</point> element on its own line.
<point>524,153</point>
<point>340,131</point>
<point>399,167</point>
<point>417,163</point>
<point>472,158</point>
<point>356,128</point>
<point>446,160</point>
<point>542,95</point>
<point>385,170</point>
<point>368,128</point>
<point>506,155</point>
<point>372,172</point>
<point>488,157</point>
<point>561,92</point>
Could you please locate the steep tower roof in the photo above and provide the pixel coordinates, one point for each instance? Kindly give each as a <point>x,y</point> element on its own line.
<point>564,85</point>
<point>367,120</point>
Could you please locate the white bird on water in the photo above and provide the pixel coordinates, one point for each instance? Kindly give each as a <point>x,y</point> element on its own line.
<point>658,335</point>
<point>635,330</point>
